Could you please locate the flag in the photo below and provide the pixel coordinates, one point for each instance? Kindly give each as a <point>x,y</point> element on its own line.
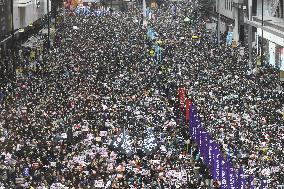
<point>197,156</point>
<point>231,176</point>
<point>210,156</point>
<point>198,136</point>
<point>217,161</point>
<point>209,151</point>
<point>241,180</point>
<point>203,145</point>
<point>224,181</point>
<point>126,146</point>
<point>148,13</point>
<point>263,184</point>
<point>150,143</point>
<point>158,52</point>
<point>251,179</point>
<point>181,94</point>
<point>117,141</point>
<point>123,143</point>
<point>26,172</point>
<point>229,155</point>
<point>187,111</point>
<point>173,10</point>
<point>206,148</point>
<point>194,133</point>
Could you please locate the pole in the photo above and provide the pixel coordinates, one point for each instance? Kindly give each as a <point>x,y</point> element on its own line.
<point>218,30</point>
<point>48,27</point>
<point>250,38</point>
<point>262,24</point>
<point>13,39</point>
<point>144,11</point>
<point>250,46</point>
<point>63,11</point>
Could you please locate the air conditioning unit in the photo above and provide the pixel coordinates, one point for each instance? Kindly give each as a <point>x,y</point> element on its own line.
<point>22,3</point>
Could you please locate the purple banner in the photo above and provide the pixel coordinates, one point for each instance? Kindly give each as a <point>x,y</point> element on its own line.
<point>263,184</point>
<point>241,180</point>
<point>250,183</point>
<point>202,143</point>
<point>220,169</point>
<point>231,177</point>
<point>224,181</point>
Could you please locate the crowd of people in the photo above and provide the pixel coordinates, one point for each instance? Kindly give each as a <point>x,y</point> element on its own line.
<point>98,82</point>
<point>242,107</point>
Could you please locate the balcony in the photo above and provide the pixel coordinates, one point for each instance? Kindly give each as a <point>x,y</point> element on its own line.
<point>271,25</point>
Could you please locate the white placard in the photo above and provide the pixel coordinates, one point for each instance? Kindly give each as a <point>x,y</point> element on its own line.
<point>64,135</point>
<point>145,172</point>
<point>75,28</point>
<point>99,184</point>
<point>85,128</point>
<point>156,162</point>
<point>103,133</point>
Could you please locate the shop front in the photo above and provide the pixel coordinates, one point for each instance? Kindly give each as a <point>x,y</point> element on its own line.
<point>272,48</point>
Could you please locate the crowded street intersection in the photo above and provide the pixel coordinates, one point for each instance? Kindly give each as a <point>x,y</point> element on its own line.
<point>121,101</point>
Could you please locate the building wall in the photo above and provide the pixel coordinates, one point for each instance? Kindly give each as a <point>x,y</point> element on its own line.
<point>269,7</point>
<point>23,16</point>
<point>226,8</point>
<point>5,16</point>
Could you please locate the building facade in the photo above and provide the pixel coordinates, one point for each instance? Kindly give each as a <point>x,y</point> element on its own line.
<point>28,11</point>
<point>5,18</point>
<point>244,19</point>
<point>231,13</point>
<point>272,30</point>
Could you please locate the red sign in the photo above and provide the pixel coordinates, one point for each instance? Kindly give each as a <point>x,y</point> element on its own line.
<point>187,110</point>
<point>181,94</point>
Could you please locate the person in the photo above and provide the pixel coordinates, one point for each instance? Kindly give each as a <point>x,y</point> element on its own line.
<point>102,84</point>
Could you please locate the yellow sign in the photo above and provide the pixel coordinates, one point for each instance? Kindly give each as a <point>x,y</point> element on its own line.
<point>33,55</point>
<point>282,78</point>
<point>258,61</point>
<point>154,5</point>
<point>152,52</point>
<point>160,42</point>
<point>194,37</point>
<point>19,71</point>
<point>234,44</point>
